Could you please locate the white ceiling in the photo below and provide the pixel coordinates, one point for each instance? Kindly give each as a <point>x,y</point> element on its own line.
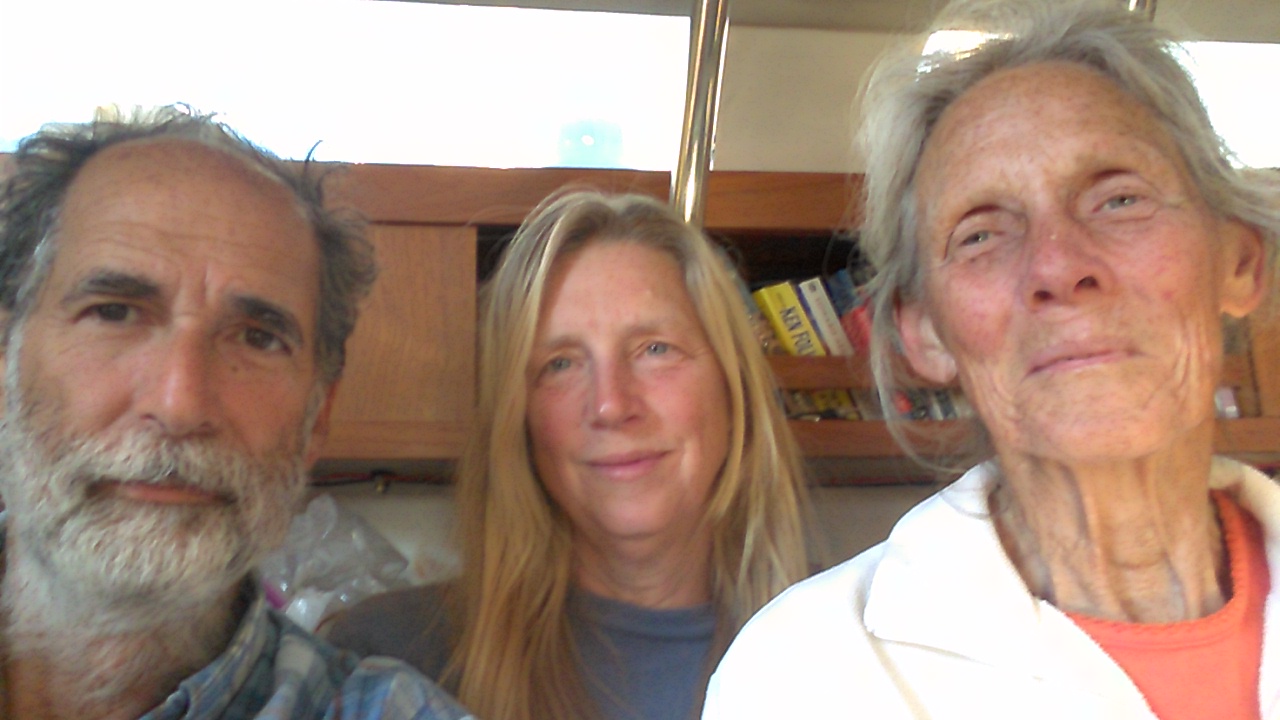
<point>1239,20</point>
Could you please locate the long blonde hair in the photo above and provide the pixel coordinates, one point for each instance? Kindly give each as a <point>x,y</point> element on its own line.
<point>515,658</point>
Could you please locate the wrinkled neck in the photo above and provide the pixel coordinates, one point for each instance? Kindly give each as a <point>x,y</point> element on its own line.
<point>1132,540</point>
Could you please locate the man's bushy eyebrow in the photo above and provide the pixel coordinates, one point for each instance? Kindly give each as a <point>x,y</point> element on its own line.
<point>275,318</point>
<point>130,286</point>
<point>113,283</point>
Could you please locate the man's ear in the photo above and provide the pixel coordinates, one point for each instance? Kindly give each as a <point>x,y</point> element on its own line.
<point>320,431</point>
<point>925,352</point>
<point>1244,268</point>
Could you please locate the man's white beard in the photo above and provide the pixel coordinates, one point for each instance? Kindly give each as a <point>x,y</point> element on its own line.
<point>125,553</point>
<point>100,567</point>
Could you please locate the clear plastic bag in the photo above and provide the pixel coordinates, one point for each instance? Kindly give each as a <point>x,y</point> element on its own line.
<point>331,559</point>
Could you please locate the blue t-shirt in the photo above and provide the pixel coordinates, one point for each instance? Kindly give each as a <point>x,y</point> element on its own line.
<point>645,664</point>
<point>639,663</point>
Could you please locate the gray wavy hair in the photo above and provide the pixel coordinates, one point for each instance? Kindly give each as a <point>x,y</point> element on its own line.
<point>908,92</point>
<point>47,162</point>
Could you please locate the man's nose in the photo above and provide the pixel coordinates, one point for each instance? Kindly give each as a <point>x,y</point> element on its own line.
<point>179,378</point>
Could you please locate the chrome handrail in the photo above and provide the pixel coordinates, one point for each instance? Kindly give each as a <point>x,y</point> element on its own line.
<point>702,97</point>
<point>1144,6</point>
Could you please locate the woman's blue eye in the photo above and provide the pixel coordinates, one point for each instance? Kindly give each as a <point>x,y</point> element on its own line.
<point>1121,201</point>
<point>657,348</point>
<point>975,238</point>
<point>558,364</point>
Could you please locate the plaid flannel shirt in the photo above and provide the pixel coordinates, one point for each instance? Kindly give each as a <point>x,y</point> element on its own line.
<point>275,670</point>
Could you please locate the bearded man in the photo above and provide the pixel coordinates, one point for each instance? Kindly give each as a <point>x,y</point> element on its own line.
<point>176,305</point>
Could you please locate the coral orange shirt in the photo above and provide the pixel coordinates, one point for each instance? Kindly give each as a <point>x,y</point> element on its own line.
<point>1205,668</point>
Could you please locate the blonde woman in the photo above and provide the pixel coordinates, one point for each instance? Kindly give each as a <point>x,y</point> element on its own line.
<point>631,494</point>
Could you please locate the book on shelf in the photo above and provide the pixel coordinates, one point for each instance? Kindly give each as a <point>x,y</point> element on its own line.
<point>821,304</point>
<point>781,304</point>
<point>854,313</point>
<point>813,294</point>
<point>854,316</point>
<point>796,403</point>
<point>760,325</point>
<point>918,403</point>
<point>852,310</point>
<point>947,404</point>
<point>844,293</point>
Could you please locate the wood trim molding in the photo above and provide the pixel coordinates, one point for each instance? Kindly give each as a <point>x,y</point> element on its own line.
<point>736,201</point>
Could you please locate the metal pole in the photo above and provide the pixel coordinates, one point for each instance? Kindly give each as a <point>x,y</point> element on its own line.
<point>702,95</point>
<point>1144,6</point>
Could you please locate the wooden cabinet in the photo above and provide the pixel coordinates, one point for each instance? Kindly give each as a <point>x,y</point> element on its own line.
<point>408,390</point>
<point>409,387</point>
<point>1264,353</point>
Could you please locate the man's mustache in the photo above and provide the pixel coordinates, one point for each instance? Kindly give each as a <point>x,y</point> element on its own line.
<point>195,467</point>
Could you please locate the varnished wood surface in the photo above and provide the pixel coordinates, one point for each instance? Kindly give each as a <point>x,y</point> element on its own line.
<point>1265,352</point>
<point>736,201</point>
<point>409,386</point>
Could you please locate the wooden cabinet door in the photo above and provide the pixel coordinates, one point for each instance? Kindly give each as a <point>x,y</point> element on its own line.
<point>1265,349</point>
<point>408,392</point>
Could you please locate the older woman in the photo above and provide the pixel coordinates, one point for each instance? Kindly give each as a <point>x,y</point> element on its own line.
<point>632,494</point>
<point>1056,229</point>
